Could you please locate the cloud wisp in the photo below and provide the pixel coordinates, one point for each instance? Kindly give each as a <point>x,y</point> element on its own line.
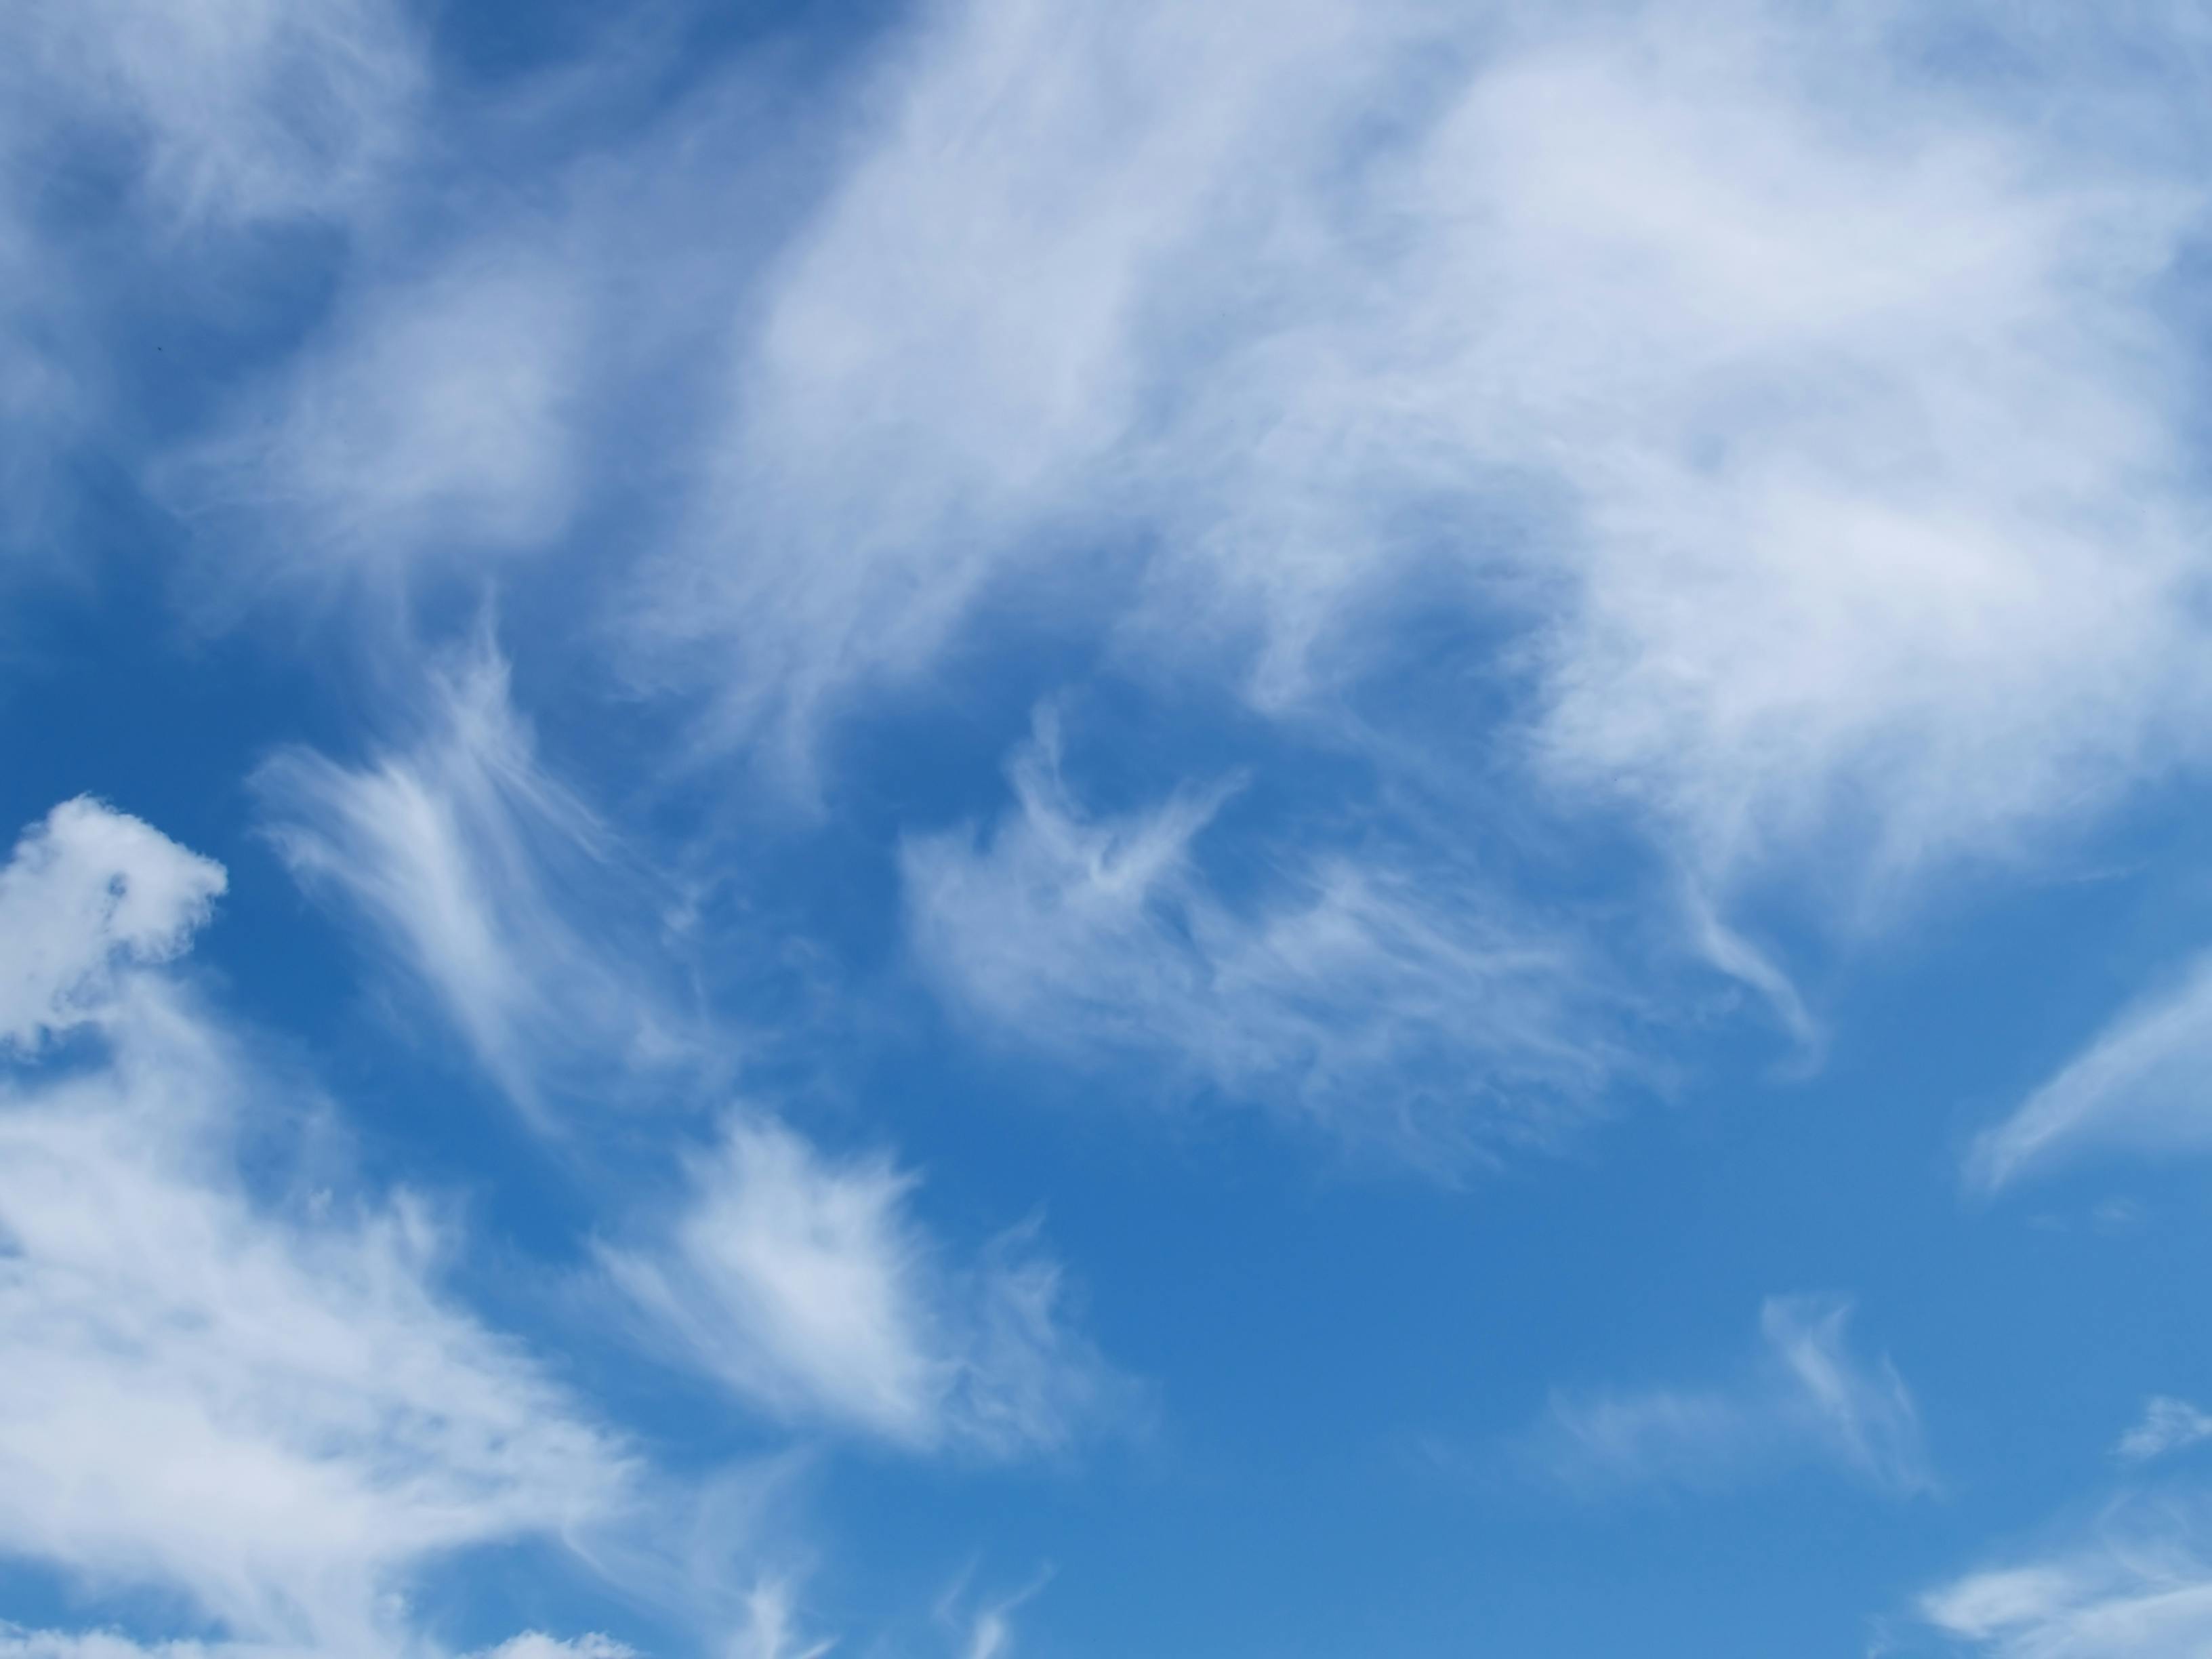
<point>495,889</point>
<point>1805,1398</point>
<point>1392,1005</point>
<point>2167,1425</point>
<point>239,111</point>
<point>2139,1083</point>
<point>175,135</point>
<point>803,1283</point>
<point>2138,1586</point>
<point>432,421</point>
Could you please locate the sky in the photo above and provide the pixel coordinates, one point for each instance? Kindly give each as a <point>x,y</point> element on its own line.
<point>1047,830</point>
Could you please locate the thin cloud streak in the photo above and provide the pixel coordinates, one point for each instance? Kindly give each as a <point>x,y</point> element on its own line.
<point>1806,1399</point>
<point>2167,1425</point>
<point>496,888</point>
<point>2137,1083</point>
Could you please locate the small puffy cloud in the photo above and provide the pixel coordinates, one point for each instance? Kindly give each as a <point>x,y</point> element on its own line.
<point>1385,1001</point>
<point>1805,1398</point>
<point>492,885</point>
<point>803,1284</point>
<point>2139,1083</point>
<point>84,893</point>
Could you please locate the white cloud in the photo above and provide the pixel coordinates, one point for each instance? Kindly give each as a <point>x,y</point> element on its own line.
<point>19,1643</point>
<point>264,1403</point>
<point>536,1644</point>
<point>2140,1588</point>
<point>803,1284</point>
<point>770,1629</point>
<point>1806,1399</point>
<point>244,110</point>
<point>945,356</point>
<point>436,416</point>
<point>1803,413</point>
<point>493,886</point>
<point>484,377</point>
<point>1393,1004</point>
<point>981,1628</point>
<point>2139,1083</point>
<point>142,144</point>
<point>2167,1425</point>
<point>86,892</point>
<point>1833,576</point>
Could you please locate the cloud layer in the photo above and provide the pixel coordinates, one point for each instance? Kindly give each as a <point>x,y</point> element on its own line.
<point>1835,486</point>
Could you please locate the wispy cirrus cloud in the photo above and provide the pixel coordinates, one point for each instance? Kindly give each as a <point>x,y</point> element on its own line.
<point>771,1627</point>
<point>1804,1399</point>
<point>2138,1083</point>
<point>537,1644</point>
<point>139,137</point>
<point>495,888</point>
<point>262,1401</point>
<point>1391,1003</point>
<point>983,1626</point>
<point>2167,1425</point>
<point>19,1643</point>
<point>803,1282</point>
<point>2137,1585</point>
<point>434,420</point>
<point>1824,499</point>
<point>522,352</point>
<point>1837,494</point>
<point>954,351</point>
<point>239,111</point>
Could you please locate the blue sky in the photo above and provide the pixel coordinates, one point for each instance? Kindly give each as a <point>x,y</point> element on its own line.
<point>1005,830</point>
